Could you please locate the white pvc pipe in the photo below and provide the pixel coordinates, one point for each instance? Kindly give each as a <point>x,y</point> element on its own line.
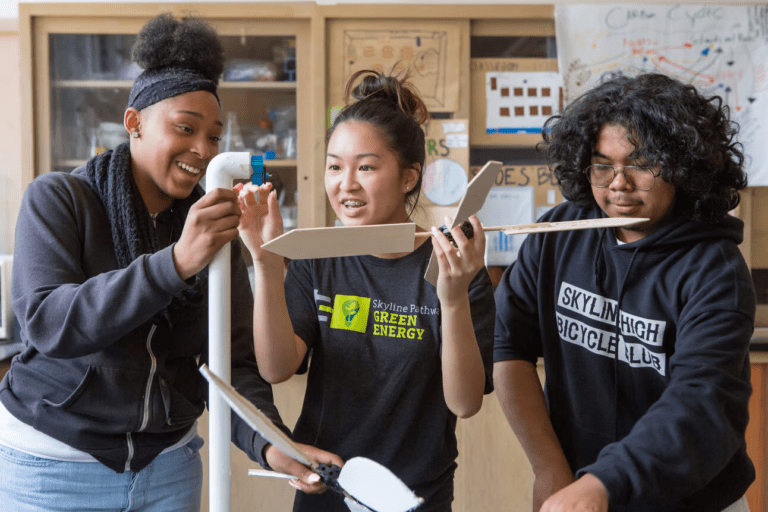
<point>222,170</point>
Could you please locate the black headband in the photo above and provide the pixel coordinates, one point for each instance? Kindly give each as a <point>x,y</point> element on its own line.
<point>156,85</point>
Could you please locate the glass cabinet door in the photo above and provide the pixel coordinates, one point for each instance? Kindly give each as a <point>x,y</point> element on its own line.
<point>91,75</point>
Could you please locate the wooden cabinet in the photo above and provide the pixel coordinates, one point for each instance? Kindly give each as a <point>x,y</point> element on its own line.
<point>79,61</point>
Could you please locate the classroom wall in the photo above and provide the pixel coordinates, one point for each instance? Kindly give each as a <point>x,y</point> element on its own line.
<point>10,90</point>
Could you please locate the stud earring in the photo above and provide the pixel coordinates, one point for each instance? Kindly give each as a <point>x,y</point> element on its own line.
<point>135,135</point>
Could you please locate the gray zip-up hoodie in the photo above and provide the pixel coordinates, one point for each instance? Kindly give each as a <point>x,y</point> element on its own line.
<point>97,373</point>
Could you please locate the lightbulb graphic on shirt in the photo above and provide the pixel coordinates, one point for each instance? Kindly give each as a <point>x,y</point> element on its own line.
<point>350,313</point>
<point>350,309</point>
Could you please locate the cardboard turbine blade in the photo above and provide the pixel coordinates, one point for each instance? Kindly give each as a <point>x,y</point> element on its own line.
<point>470,204</point>
<point>256,419</point>
<point>343,241</point>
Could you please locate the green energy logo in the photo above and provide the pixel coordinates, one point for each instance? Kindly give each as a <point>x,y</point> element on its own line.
<point>350,313</point>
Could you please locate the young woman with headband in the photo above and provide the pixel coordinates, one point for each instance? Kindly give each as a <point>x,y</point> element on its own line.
<point>99,412</point>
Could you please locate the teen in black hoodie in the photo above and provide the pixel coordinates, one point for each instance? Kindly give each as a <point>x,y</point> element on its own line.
<point>644,331</point>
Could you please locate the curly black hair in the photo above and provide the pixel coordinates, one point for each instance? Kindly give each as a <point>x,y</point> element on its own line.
<point>190,43</point>
<point>670,124</point>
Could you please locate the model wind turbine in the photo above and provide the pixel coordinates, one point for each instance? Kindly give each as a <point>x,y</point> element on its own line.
<point>366,485</point>
<point>393,238</point>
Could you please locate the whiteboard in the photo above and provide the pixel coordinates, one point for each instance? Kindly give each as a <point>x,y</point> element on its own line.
<point>722,50</point>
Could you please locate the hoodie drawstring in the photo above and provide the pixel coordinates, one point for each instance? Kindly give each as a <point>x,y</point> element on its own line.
<point>599,259</point>
<point>617,330</point>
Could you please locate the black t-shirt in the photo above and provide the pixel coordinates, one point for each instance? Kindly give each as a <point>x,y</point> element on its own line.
<point>375,379</point>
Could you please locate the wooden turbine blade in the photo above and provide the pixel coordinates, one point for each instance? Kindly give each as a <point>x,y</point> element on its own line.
<point>473,200</point>
<point>344,241</point>
<point>570,225</point>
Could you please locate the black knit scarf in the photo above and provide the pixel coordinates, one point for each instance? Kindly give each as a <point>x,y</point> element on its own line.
<point>133,232</point>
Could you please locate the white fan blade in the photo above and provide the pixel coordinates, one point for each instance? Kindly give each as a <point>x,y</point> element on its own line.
<point>376,487</point>
<point>356,506</point>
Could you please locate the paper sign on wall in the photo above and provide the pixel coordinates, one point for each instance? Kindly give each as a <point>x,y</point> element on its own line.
<point>539,177</point>
<point>505,206</point>
<point>447,161</point>
<point>520,102</point>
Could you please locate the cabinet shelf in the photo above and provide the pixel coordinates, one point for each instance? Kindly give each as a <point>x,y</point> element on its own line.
<point>127,84</point>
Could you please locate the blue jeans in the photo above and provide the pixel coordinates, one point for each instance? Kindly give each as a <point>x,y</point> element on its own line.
<point>171,483</point>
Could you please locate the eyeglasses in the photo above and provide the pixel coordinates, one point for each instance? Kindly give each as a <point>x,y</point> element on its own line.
<point>601,175</point>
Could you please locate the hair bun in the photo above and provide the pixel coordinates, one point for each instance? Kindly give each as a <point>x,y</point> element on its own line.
<point>189,43</point>
<point>392,88</point>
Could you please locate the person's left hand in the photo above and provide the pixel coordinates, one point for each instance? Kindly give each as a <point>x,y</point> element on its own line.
<point>458,265</point>
<point>306,479</point>
<point>260,221</point>
<point>587,494</point>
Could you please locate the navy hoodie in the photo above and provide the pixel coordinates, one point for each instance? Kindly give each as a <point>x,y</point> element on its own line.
<point>646,354</point>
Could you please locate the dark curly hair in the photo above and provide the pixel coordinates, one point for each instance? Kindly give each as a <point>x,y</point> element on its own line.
<point>392,105</point>
<point>670,124</point>
<point>190,43</point>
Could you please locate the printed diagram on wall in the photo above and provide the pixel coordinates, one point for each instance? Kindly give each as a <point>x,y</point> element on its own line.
<point>425,54</point>
<point>504,206</point>
<point>722,50</point>
<point>520,102</point>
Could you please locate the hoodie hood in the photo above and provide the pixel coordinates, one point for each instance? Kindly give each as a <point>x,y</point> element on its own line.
<point>678,232</point>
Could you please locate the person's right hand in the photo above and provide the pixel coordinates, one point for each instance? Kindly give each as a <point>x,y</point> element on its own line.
<point>212,222</point>
<point>587,494</point>
<point>261,220</point>
<point>306,479</point>
<point>546,483</point>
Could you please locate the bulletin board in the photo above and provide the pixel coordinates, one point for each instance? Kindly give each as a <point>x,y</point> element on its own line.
<point>722,50</point>
<point>428,51</point>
